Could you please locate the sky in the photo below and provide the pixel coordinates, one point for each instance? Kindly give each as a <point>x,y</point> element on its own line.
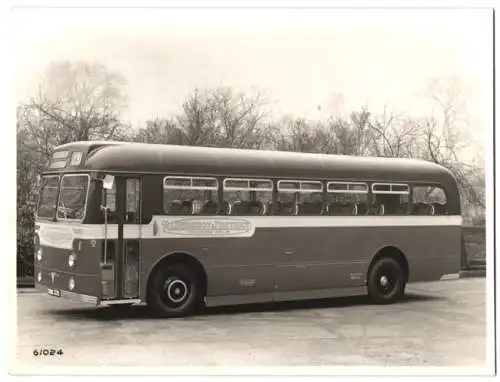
<point>310,63</point>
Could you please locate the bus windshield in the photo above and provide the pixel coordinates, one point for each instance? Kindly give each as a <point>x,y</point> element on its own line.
<point>48,196</point>
<point>73,197</point>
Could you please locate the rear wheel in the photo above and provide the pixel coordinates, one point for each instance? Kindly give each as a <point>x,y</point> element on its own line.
<point>174,291</point>
<point>386,281</point>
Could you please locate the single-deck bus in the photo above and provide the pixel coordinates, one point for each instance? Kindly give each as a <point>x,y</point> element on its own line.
<point>177,227</point>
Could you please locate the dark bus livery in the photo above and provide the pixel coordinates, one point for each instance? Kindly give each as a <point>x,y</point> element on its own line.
<point>178,227</point>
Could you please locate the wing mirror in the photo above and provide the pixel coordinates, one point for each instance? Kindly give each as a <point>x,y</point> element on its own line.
<point>108,182</point>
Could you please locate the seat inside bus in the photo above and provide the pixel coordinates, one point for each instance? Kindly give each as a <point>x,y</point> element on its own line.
<point>286,208</point>
<point>343,209</point>
<point>439,208</point>
<point>424,209</point>
<point>362,208</point>
<point>181,207</point>
<point>390,205</point>
<point>243,207</point>
<point>208,208</point>
<point>310,208</point>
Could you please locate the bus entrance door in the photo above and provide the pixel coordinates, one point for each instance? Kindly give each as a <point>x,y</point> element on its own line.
<point>129,236</point>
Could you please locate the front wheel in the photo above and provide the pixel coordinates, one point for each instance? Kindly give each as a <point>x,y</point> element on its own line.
<point>174,291</point>
<point>386,281</point>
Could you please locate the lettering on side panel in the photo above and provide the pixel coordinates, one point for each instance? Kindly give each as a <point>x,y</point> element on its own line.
<point>208,227</point>
<point>247,282</point>
<point>356,276</point>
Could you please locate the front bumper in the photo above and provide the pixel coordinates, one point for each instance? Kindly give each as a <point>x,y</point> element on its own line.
<point>72,296</point>
<point>84,298</point>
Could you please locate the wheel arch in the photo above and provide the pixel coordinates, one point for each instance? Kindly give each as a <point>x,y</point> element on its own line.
<point>396,254</point>
<point>178,257</point>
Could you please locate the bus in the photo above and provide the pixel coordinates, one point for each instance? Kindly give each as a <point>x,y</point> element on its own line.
<point>180,227</point>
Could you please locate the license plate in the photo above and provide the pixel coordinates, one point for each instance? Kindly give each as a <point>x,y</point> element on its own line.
<point>54,292</point>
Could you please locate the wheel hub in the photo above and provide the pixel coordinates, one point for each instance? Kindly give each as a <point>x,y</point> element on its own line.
<point>176,290</point>
<point>384,281</point>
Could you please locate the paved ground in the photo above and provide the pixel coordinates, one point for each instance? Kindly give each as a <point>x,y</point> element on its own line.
<point>438,324</point>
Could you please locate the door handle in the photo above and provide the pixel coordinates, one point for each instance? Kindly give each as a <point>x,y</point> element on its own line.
<point>288,252</point>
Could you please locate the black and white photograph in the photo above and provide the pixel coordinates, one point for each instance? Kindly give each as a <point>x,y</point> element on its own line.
<point>284,190</point>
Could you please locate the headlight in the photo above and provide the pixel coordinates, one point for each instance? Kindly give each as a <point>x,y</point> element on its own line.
<point>39,276</point>
<point>71,260</point>
<point>71,283</point>
<point>39,254</point>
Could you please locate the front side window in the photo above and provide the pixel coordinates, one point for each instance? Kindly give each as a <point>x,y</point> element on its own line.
<point>73,197</point>
<point>48,196</point>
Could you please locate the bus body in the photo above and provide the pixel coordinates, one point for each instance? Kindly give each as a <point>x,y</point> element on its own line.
<point>176,227</point>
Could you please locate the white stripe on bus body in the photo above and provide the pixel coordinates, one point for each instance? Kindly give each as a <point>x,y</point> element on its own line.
<point>62,234</point>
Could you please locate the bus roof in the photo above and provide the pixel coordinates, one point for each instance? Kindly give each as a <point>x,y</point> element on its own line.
<point>192,160</point>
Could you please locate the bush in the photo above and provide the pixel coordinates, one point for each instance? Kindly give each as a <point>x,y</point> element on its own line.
<point>25,243</point>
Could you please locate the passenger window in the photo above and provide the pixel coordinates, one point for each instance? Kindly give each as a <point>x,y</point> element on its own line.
<point>390,199</point>
<point>429,200</point>
<point>347,198</point>
<point>299,197</point>
<point>286,201</point>
<point>190,196</point>
<point>247,196</point>
<point>310,198</point>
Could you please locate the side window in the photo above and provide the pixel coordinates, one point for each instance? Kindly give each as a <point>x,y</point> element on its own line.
<point>347,198</point>
<point>390,199</point>
<point>109,200</point>
<point>429,200</point>
<point>133,213</point>
<point>247,196</point>
<point>310,198</point>
<point>299,197</point>
<point>190,195</point>
<point>287,198</point>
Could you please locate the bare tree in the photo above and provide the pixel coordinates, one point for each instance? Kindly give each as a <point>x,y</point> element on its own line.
<point>392,135</point>
<point>76,101</point>
<point>217,117</point>
<point>294,135</point>
<point>238,119</point>
<point>197,120</point>
<point>161,131</point>
<point>445,134</point>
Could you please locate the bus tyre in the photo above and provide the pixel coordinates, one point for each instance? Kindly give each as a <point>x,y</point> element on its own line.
<point>174,291</point>
<point>386,281</point>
